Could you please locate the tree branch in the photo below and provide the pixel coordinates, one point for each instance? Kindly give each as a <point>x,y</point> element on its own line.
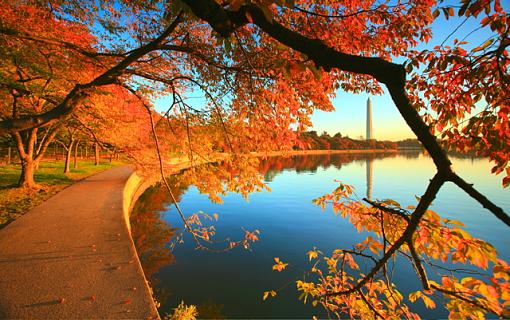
<point>486,203</point>
<point>82,91</point>
<point>46,142</point>
<point>459,296</point>
<point>419,266</point>
<point>374,310</point>
<point>435,184</point>
<point>401,213</point>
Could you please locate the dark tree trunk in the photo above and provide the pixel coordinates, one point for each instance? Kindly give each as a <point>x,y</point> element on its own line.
<point>69,152</point>
<point>76,154</point>
<point>26,179</point>
<point>31,153</point>
<point>96,154</point>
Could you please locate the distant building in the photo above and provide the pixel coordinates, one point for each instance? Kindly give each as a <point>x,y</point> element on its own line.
<point>369,120</point>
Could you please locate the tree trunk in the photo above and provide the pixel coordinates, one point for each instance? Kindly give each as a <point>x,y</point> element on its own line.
<point>69,152</point>
<point>26,179</point>
<point>96,154</point>
<point>31,157</point>
<point>76,154</point>
<point>9,155</point>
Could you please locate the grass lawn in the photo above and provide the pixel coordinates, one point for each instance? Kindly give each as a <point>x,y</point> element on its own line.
<point>14,201</point>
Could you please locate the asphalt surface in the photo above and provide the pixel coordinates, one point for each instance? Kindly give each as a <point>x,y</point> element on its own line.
<point>72,257</point>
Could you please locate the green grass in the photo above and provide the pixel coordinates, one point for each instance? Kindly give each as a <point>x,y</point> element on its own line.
<point>15,201</point>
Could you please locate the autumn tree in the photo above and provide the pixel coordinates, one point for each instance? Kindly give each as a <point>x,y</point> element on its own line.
<point>35,75</point>
<point>69,138</point>
<point>263,67</point>
<point>115,120</point>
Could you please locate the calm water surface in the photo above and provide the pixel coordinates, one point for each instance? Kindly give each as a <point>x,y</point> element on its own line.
<point>231,284</point>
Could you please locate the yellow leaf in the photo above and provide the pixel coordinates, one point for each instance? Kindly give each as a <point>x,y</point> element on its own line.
<point>312,255</point>
<point>429,303</point>
<point>375,247</point>
<point>271,293</point>
<point>279,266</point>
<point>414,296</point>
<point>483,46</point>
<point>350,262</point>
<point>454,222</point>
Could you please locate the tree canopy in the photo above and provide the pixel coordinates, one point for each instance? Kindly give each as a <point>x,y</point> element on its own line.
<point>263,67</point>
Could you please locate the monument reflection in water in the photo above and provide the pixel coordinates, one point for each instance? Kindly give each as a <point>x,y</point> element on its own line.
<point>369,163</point>
<point>231,284</point>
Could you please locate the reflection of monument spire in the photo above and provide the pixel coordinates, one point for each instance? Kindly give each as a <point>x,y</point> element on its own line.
<point>369,163</point>
<point>369,120</point>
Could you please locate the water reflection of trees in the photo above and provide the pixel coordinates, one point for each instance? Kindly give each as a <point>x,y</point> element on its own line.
<point>211,310</point>
<point>271,166</point>
<point>152,235</point>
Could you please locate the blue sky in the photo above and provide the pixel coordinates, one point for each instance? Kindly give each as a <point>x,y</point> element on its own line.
<point>350,114</point>
<point>350,109</point>
<point>349,118</point>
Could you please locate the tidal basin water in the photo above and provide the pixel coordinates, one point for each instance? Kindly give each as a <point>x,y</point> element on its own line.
<point>230,284</point>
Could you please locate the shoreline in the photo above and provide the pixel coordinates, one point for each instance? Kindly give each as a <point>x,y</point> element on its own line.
<point>319,152</point>
<point>136,184</point>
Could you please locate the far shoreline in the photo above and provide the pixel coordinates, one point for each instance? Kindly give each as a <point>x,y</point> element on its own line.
<point>320,152</point>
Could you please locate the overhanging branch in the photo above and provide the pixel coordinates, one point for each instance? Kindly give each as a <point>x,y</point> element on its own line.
<point>392,75</point>
<point>82,91</point>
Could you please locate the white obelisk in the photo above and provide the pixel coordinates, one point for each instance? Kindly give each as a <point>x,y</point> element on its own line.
<point>369,119</point>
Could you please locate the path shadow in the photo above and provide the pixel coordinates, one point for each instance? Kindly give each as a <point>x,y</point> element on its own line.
<point>42,304</point>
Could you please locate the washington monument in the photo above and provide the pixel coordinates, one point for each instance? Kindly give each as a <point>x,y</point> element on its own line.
<point>369,120</point>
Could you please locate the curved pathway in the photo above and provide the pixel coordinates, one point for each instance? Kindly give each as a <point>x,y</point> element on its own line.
<point>73,258</point>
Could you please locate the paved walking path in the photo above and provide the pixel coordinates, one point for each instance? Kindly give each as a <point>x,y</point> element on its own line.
<point>73,258</point>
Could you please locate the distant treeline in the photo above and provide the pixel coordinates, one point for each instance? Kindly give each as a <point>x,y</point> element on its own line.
<point>310,140</point>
